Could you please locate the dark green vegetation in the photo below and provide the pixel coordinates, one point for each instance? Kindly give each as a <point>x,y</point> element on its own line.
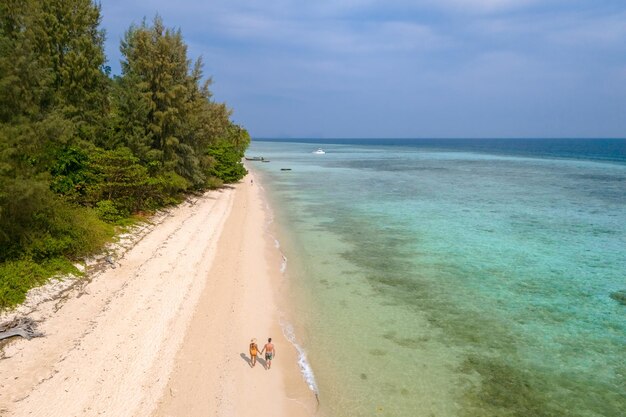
<point>81,150</point>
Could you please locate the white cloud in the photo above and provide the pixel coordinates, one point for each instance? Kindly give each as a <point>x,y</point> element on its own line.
<point>483,6</point>
<point>333,36</point>
<point>376,37</point>
<point>563,29</point>
<point>472,56</point>
<point>597,31</point>
<point>250,26</point>
<point>335,7</point>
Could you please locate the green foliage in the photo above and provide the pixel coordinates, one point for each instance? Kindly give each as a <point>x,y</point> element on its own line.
<point>23,204</point>
<point>128,121</point>
<point>24,78</point>
<point>227,164</point>
<point>227,153</point>
<point>80,151</point>
<point>173,121</point>
<point>36,223</point>
<point>72,46</point>
<point>17,277</point>
<point>107,211</point>
<point>71,174</point>
<point>156,61</point>
<point>120,178</point>
<point>213,183</point>
<point>169,189</point>
<point>238,137</point>
<point>52,61</point>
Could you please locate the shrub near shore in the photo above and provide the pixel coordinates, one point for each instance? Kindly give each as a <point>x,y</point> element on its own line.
<point>80,150</point>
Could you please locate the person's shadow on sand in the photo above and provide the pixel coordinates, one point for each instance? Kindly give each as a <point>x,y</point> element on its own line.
<point>249,361</point>
<point>262,362</point>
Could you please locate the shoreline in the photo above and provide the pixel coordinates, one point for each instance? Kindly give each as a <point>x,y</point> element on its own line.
<point>247,250</point>
<point>167,330</point>
<point>287,310</point>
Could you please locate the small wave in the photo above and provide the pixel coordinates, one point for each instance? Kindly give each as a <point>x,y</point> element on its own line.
<point>270,213</point>
<point>303,363</point>
<point>283,262</point>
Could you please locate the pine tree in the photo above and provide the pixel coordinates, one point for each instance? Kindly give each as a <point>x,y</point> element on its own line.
<point>182,120</point>
<point>52,92</point>
<point>156,60</point>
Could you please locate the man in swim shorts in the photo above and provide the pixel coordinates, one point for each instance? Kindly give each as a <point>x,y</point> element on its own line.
<point>270,352</point>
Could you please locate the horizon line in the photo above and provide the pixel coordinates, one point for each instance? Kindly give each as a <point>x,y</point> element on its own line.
<point>437,138</point>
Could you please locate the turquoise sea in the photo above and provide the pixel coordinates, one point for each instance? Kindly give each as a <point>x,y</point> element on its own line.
<point>454,277</point>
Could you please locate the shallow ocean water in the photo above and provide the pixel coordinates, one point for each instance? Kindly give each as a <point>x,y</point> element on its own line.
<point>456,278</point>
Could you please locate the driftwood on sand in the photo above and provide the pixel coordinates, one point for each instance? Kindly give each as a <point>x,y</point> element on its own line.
<point>23,327</point>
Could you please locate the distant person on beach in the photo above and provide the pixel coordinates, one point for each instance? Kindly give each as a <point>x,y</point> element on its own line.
<point>251,181</point>
<point>254,350</point>
<point>270,352</point>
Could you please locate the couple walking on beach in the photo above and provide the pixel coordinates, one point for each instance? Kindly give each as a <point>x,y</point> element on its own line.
<point>269,349</point>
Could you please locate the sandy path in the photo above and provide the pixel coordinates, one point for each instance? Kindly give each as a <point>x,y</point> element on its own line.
<point>213,374</point>
<point>117,349</point>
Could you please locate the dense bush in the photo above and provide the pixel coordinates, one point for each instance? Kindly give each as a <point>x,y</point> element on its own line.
<point>226,164</point>
<point>107,211</point>
<point>37,224</point>
<point>17,277</point>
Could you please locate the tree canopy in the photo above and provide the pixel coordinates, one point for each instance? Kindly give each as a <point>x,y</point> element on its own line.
<point>80,148</point>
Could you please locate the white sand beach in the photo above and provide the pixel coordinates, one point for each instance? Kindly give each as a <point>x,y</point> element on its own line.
<point>166,332</point>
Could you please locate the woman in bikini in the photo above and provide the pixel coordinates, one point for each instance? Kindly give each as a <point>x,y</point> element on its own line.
<point>254,350</point>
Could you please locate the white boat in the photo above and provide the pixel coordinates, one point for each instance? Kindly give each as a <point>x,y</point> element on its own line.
<point>319,151</point>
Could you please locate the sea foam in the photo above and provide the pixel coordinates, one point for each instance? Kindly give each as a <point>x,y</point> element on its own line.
<point>303,363</point>
<point>287,328</point>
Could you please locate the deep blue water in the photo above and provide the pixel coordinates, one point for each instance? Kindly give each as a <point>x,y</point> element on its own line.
<point>589,149</point>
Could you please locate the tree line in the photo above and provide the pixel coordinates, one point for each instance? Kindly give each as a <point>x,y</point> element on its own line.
<point>81,150</point>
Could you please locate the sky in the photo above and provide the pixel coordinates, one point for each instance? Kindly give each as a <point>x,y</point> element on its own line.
<point>403,69</point>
